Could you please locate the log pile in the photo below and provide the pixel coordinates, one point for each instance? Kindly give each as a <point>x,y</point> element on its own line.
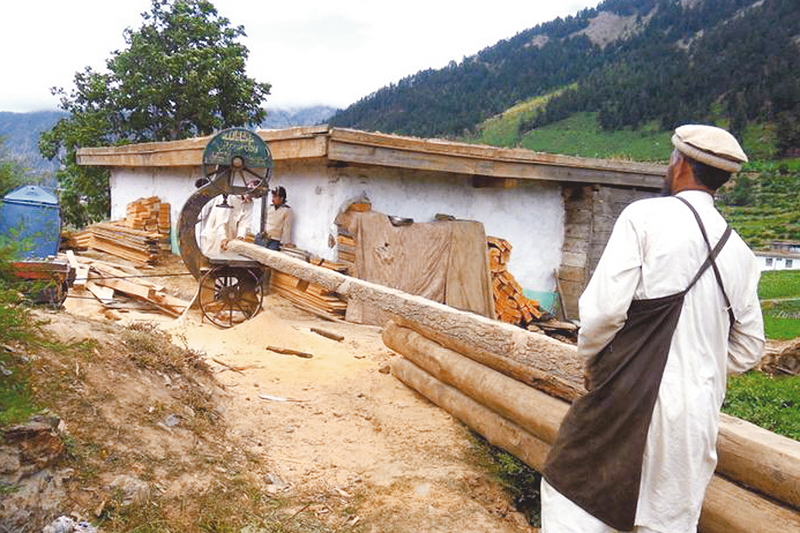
<point>141,237</point>
<point>108,283</point>
<point>758,473</point>
<point>510,303</point>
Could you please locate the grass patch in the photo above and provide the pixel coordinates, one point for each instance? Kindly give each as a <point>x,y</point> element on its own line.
<point>770,402</point>
<point>779,284</point>
<point>520,482</point>
<point>17,402</point>
<point>579,135</point>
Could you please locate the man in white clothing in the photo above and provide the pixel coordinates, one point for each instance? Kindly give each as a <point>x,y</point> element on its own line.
<point>671,309</point>
<point>224,221</point>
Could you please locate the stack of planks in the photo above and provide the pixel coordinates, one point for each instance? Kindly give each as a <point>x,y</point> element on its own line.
<point>148,214</point>
<point>510,303</point>
<point>106,281</point>
<point>309,296</point>
<point>141,237</point>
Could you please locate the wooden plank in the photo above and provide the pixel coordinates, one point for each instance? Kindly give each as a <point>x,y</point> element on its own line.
<point>104,294</point>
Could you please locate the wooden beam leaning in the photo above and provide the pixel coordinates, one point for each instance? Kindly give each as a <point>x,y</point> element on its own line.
<point>547,364</point>
<point>470,392</point>
<point>554,363</point>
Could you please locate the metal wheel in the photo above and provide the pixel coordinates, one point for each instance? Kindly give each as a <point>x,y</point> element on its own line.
<point>234,160</point>
<point>230,295</point>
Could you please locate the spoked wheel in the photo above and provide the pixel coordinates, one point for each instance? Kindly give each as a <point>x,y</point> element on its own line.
<point>230,295</point>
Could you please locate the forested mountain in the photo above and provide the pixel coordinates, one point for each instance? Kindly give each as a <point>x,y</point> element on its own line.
<point>631,61</point>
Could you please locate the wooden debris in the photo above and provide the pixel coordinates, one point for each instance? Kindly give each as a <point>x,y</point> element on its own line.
<point>105,281</point>
<point>510,303</point>
<point>229,367</point>
<point>334,336</point>
<point>289,351</point>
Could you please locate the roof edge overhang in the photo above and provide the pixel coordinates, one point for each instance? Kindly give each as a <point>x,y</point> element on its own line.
<point>348,146</point>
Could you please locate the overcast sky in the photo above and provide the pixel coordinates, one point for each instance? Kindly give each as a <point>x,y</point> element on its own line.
<point>329,52</point>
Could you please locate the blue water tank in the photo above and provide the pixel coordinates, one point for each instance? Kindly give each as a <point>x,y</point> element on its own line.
<point>31,216</point>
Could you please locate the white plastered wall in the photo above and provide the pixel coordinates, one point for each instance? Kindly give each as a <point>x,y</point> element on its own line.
<point>530,216</point>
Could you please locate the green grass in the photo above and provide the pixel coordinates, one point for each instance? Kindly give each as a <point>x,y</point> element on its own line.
<point>779,284</point>
<point>769,402</point>
<point>17,402</point>
<point>579,135</point>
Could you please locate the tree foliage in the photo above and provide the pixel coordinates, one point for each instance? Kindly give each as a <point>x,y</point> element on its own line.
<point>182,75</point>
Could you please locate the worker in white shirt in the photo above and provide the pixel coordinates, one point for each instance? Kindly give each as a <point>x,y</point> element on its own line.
<point>226,219</point>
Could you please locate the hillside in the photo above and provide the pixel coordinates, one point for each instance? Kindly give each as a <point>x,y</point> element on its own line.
<point>631,61</point>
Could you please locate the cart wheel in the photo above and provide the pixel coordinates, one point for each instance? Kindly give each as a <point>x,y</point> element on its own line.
<point>230,295</point>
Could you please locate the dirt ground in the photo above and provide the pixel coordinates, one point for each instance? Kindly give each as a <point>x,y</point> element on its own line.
<point>334,434</point>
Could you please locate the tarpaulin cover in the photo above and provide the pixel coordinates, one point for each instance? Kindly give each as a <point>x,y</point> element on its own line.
<point>443,261</point>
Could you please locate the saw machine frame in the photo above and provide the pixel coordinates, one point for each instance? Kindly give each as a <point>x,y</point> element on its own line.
<point>236,161</point>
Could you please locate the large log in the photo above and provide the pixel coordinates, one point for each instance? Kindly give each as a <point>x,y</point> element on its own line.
<point>553,365</point>
<point>555,386</point>
<point>727,508</point>
<point>556,362</point>
<point>760,459</point>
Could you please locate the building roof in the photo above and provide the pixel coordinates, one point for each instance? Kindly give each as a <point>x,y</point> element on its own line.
<point>353,147</point>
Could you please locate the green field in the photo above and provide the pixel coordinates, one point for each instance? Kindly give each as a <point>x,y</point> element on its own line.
<point>772,401</point>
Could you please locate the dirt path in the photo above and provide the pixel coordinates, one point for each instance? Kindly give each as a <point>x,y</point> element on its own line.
<point>337,423</point>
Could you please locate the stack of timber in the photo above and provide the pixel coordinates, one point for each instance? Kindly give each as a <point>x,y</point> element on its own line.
<point>345,242</point>
<point>514,386</point>
<point>510,303</point>
<point>346,249</point>
<point>309,296</point>
<point>107,282</point>
<point>148,214</point>
<point>141,237</point>
<point>758,473</point>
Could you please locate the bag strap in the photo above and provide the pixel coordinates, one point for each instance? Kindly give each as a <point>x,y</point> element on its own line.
<point>710,260</point>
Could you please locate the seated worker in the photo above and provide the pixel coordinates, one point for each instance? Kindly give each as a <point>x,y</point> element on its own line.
<point>223,224</point>
<point>279,221</point>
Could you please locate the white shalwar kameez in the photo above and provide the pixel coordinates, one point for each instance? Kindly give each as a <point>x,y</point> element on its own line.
<point>654,251</point>
<point>221,223</point>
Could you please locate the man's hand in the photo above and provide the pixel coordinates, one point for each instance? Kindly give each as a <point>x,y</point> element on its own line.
<point>223,244</point>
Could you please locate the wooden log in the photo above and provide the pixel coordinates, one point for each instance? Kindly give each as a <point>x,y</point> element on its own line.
<point>536,378</point>
<point>557,362</point>
<point>760,459</point>
<point>727,507</point>
<point>538,360</point>
<point>289,351</point>
<point>538,413</point>
<point>493,427</point>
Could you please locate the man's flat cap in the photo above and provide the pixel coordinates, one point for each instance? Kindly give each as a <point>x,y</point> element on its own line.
<point>710,145</point>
